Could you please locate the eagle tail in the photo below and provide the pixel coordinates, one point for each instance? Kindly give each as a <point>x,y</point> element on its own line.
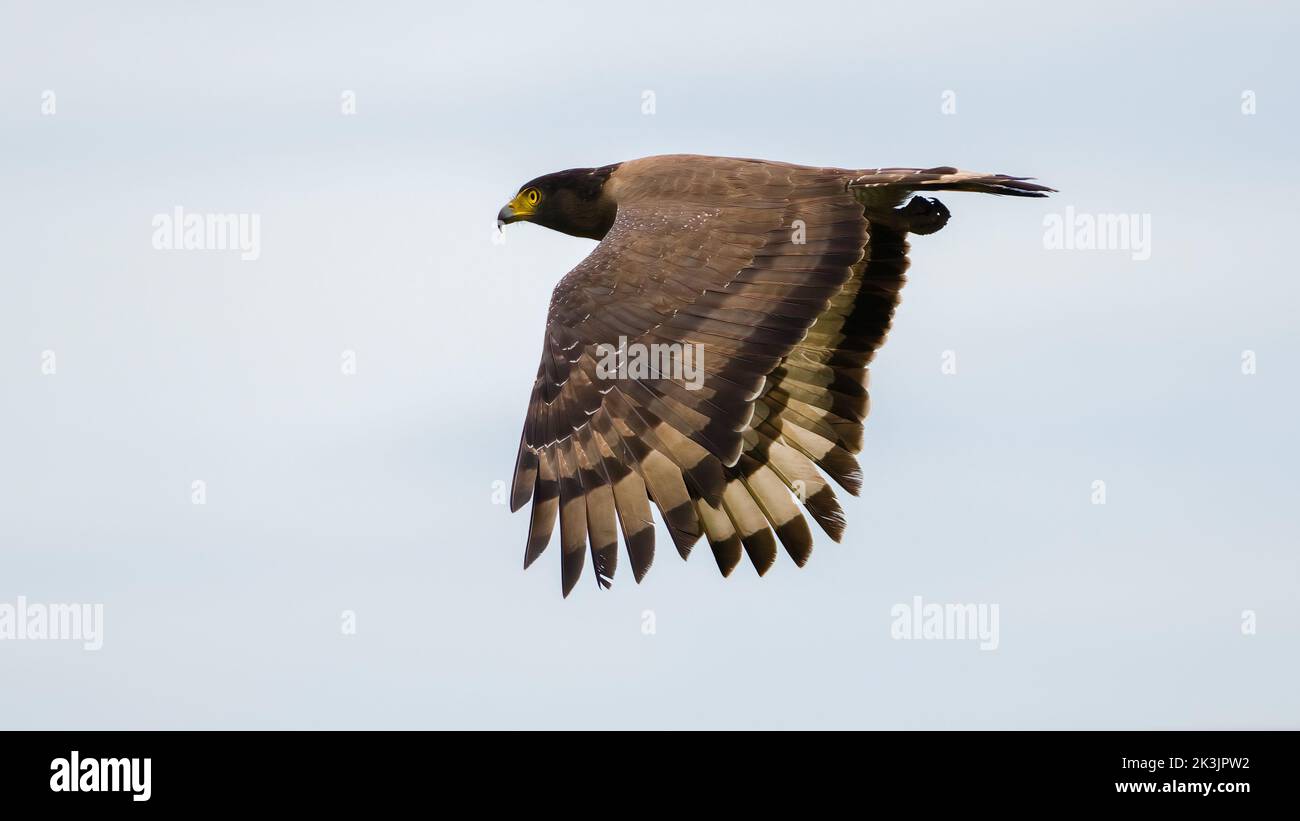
<point>945,178</point>
<point>882,190</point>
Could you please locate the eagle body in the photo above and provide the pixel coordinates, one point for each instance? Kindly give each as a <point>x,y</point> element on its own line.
<point>782,279</point>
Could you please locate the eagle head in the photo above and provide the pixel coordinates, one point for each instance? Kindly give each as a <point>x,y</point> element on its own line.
<point>573,202</point>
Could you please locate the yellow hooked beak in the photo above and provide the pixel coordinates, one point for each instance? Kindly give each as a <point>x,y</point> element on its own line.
<point>517,209</point>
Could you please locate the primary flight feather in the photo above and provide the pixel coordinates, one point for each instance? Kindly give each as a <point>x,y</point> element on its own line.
<point>772,285</point>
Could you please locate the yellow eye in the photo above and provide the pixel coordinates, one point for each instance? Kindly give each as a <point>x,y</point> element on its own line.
<point>533,196</point>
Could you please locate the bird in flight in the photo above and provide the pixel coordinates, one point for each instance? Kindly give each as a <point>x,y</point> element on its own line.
<point>710,355</point>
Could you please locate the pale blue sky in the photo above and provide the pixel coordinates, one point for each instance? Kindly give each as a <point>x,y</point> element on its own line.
<point>372,493</point>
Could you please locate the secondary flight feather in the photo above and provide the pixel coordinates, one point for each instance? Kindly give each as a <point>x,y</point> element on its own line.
<point>709,358</point>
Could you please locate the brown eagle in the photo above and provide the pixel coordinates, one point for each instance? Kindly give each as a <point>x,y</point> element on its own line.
<point>780,282</point>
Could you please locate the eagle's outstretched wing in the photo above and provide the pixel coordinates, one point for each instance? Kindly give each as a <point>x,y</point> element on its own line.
<point>785,278</point>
